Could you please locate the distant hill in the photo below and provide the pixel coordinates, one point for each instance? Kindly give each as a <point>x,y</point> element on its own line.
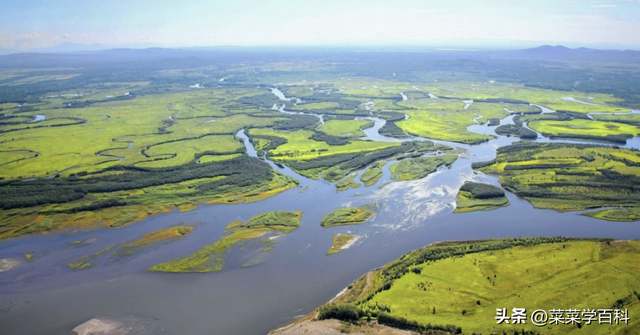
<point>562,53</point>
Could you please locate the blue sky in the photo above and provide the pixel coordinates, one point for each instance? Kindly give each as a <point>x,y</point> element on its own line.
<point>33,24</point>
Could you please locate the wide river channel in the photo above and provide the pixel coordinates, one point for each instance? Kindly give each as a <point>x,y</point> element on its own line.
<point>44,296</point>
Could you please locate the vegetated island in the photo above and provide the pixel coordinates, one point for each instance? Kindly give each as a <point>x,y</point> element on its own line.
<point>346,216</point>
<point>347,183</point>
<point>212,257</point>
<point>571,177</point>
<point>477,196</point>
<point>151,239</point>
<point>372,174</point>
<point>341,242</point>
<point>417,168</point>
<point>456,287</point>
<point>87,261</point>
<point>145,242</point>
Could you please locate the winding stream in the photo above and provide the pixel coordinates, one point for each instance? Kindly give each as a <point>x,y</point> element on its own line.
<point>44,296</point>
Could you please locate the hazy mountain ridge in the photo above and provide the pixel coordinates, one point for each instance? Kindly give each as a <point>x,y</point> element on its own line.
<point>562,53</point>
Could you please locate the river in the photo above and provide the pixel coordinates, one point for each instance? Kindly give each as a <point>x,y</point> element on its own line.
<point>45,297</point>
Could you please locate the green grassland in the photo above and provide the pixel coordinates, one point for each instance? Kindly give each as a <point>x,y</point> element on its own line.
<point>97,138</point>
<point>417,168</point>
<point>464,283</point>
<point>315,106</point>
<point>339,242</point>
<point>476,196</point>
<point>443,120</point>
<point>125,150</point>
<point>299,146</point>
<point>217,158</point>
<point>346,216</point>
<point>633,119</point>
<point>345,128</point>
<point>494,110</point>
<point>568,177</point>
<point>109,125</point>
<point>212,257</point>
<point>336,167</point>
<point>586,129</point>
<point>617,214</point>
<point>545,97</point>
<point>142,193</point>
<point>185,151</point>
<point>313,158</point>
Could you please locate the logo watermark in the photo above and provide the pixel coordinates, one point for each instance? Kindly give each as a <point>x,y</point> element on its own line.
<point>541,317</point>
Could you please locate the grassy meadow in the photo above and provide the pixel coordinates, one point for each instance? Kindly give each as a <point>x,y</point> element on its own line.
<point>462,284</point>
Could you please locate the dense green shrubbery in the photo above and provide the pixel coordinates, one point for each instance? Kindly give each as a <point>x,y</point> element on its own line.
<point>341,164</point>
<point>91,207</point>
<point>239,171</point>
<point>390,129</point>
<point>329,139</point>
<point>344,312</point>
<point>392,116</point>
<point>274,142</point>
<point>482,191</point>
<point>321,162</point>
<point>402,323</point>
<point>296,122</point>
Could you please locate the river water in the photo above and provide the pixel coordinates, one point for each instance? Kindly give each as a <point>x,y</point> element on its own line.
<point>45,297</point>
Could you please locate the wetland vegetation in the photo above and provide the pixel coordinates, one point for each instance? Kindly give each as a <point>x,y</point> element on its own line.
<point>346,216</point>
<point>569,176</point>
<point>341,241</point>
<point>456,287</point>
<point>211,258</point>
<point>474,196</point>
<point>417,168</point>
<point>152,141</point>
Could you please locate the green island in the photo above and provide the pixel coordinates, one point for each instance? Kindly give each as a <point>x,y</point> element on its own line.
<point>346,216</point>
<point>341,242</point>
<point>456,287</point>
<point>212,257</point>
<point>474,196</point>
<point>570,177</point>
<point>617,214</point>
<point>347,183</point>
<point>372,174</point>
<point>417,168</point>
<point>151,239</point>
<point>87,261</point>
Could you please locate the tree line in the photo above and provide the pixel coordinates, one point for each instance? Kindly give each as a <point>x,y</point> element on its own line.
<point>239,171</point>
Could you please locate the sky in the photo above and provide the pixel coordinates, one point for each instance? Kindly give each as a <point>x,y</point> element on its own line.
<point>37,24</point>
